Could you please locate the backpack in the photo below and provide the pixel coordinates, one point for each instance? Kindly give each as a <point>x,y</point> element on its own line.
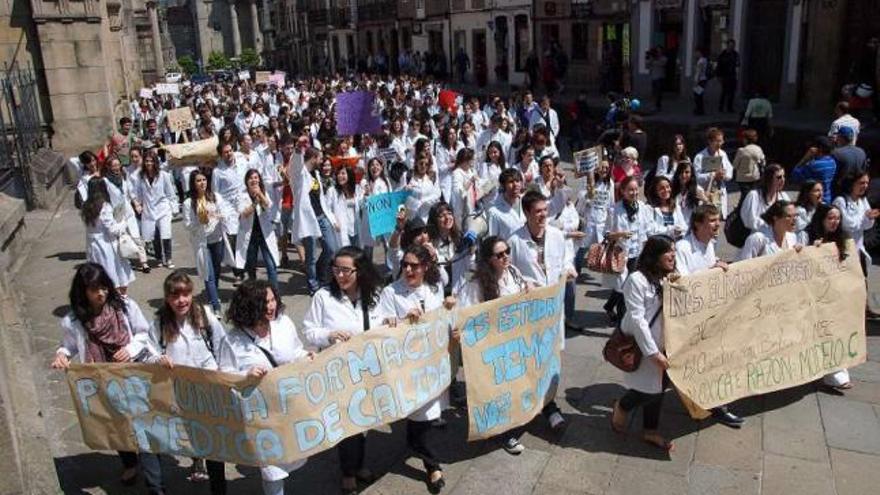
<point>735,230</point>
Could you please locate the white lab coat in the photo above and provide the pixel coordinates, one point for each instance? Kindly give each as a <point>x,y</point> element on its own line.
<point>246,223</point>
<point>804,217</point>
<point>504,219</point>
<point>642,303</point>
<point>754,206</point>
<point>692,256</point>
<point>239,353</point>
<point>424,195</point>
<point>339,204</point>
<point>189,348</point>
<point>704,177</point>
<point>327,314</point>
<point>677,222</point>
<point>538,117</point>
<point>511,282</point>
<point>595,211</point>
<point>444,162</point>
<point>200,235</point>
<point>854,221</point>
<point>102,240</point>
<point>120,200</point>
<point>378,187</point>
<point>74,335</point>
<point>159,202</point>
<point>762,243</point>
<point>642,226</point>
<point>395,301</point>
<point>305,222</point>
<point>228,181</point>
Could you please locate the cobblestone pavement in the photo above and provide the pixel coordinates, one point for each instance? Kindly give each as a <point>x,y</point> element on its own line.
<point>796,441</point>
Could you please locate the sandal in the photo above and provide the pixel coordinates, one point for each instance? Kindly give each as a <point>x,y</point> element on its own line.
<point>656,440</point>
<point>615,427</point>
<point>437,485</point>
<point>845,386</point>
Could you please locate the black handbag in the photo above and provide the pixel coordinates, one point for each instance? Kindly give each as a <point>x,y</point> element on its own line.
<point>735,231</point>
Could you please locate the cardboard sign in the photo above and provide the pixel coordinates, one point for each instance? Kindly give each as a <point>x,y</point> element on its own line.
<point>145,93</point>
<point>262,77</point>
<point>193,153</point>
<point>167,88</point>
<point>765,324</point>
<point>356,113</point>
<point>587,160</point>
<point>510,349</point>
<point>180,119</point>
<point>382,211</point>
<point>294,412</point>
<point>244,75</point>
<point>277,79</point>
<point>712,164</point>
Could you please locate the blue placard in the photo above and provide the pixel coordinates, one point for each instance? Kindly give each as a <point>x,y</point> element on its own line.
<point>382,211</point>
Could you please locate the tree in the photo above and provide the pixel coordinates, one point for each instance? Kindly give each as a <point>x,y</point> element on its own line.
<point>249,58</point>
<point>188,65</point>
<point>217,61</point>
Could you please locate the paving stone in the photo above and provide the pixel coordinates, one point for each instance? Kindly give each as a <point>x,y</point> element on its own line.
<point>496,471</point>
<point>724,447</point>
<point>850,425</point>
<point>864,392</point>
<point>636,453</point>
<point>796,430</point>
<point>716,480</point>
<point>629,481</point>
<point>578,471</point>
<point>546,488</point>
<point>784,475</point>
<point>869,371</point>
<point>855,473</point>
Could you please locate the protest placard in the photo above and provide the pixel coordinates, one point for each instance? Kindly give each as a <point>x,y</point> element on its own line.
<point>295,411</point>
<point>712,164</point>
<point>145,93</point>
<point>193,153</point>
<point>262,76</point>
<point>180,119</point>
<point>356,113</point>
<point>382,211</point>
<point>244,75</point>
<point>510,350</point>
<point>277,79</point>
<point>587,160</point>
<point>167,88</point>
<point>765,324</point>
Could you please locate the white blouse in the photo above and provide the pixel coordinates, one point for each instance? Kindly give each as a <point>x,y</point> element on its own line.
<point>754,206</point>
<point>762,243</point>
<point>854,219</point>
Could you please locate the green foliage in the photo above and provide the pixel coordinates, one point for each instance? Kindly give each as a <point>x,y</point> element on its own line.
<point>249,58</point>
<point>218,61</point>
<point>188,65</point>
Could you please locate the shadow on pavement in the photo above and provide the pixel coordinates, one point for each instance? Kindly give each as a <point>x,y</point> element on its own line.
<point>68,256</point>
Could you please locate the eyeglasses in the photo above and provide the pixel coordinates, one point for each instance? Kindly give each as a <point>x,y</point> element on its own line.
<point>406,264</point>
<point>343,270</point>
<point>502,254</point>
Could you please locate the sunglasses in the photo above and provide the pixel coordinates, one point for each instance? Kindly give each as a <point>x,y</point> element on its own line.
<point>502,254</point>
<point>406,264</point>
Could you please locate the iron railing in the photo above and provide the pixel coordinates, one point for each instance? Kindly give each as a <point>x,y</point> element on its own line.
<point>20,124</point>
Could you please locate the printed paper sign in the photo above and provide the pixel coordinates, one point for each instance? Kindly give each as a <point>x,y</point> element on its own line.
<point>587,160</point>
<point>356,113</point>
<point>295,411</point>
<point>180,119</point>
<point>510,350</point>
<point>765,324</point>
<point>145,93</point>
<point>388,155</point>
<point>382,211</point>
<point>244,75</point>
<point>167,88</point>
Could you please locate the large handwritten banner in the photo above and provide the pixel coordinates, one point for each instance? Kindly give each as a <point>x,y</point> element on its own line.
<point>180,119</point>
<point>510,350</point>
<point>766,324</point>
<point>193,153</point>
<point>382,211</point>
<point>356,113</point>
<point>295,411</point>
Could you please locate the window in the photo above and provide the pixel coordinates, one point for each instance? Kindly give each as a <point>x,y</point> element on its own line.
<point>580,41</point>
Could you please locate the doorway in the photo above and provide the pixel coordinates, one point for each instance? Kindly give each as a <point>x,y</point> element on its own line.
<point>480,65</point>
<point>766,22</point>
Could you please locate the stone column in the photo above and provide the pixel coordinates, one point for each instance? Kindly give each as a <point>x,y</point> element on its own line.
<point>236,36</point>
<point>157,38</point>
<point>255,27</point>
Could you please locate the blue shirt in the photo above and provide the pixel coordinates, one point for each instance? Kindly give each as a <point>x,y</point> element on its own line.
<point>821,170</point>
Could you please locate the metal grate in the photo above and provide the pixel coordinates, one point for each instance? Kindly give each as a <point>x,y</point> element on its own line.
<point>20,123</point>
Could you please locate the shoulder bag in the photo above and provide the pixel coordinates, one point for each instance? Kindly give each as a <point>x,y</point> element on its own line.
<point>622,351</point>
<point>606,257</point>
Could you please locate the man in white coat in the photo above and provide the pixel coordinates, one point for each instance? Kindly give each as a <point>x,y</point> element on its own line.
<point>546,116</point>
<point>313,219</point>
<point>505,216</point>
<point>695,253</point>
<point>542,255</point>
<point>714,169</point>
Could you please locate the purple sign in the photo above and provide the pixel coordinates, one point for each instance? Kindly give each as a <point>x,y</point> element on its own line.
<point>356,113</point>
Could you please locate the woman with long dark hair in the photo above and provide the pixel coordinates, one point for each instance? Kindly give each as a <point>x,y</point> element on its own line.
<point>770,189</point>
<point>446,239</point>
<point>340,310</point>
<point>490,168</point>
<point>667,214</point>
<point>445,151</point>
<point>776,235</point>
<point>424,193</point>
<point>102,235</point>
<point>374,182</point>
<point>256,233</point>
<point>262,338</point>
<point>123,199</point>
<point>465,186</point>
<point>418,290</point>
<point>809,198</point>
<point>345,199</point>
<point>858,216</point>
<point>668,163</point>
<point>643,293</point>
<point>687,192</point>
<point>103,326</point>
<point>186,334</point>
<point>205,215</point>
<point>158,198</point>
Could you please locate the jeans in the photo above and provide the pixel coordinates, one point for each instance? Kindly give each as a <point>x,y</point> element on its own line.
<point>319,271</point>
<point>151,467</point>
<point>258,243</point>
<point>579,257</point>
<point>161,248</point>
<point>212,277</point>
<point>568,301</point>
<point>417,438</point>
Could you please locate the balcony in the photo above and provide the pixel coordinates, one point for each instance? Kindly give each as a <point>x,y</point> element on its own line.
<point>319,17</point>
<point>384,10</point>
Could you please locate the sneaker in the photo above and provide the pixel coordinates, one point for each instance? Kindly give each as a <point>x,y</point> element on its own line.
<point>556,421</point>
<point>168,264</point>
<point>513,447</point>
